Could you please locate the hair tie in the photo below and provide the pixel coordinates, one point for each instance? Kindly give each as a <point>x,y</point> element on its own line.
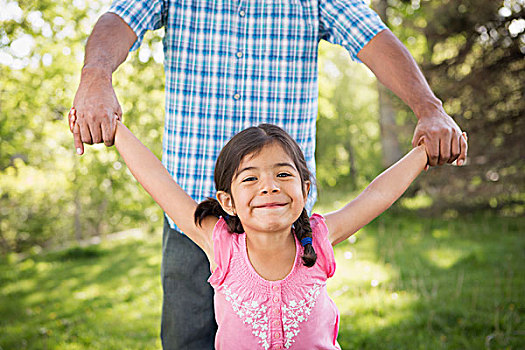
<point>226,217</point>
<point>306,240</point>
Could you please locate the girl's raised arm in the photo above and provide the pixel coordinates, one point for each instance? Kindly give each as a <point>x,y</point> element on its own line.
<point>149,171</point>
<point>377,197</point>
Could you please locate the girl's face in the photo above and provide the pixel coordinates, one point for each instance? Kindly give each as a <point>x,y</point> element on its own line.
<point>267,193</point>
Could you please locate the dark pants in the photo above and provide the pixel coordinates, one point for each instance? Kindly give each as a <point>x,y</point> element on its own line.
<point>188,319</point>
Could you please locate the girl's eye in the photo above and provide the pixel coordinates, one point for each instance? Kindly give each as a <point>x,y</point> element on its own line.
<point>251,178</point>
<point>283,175</point>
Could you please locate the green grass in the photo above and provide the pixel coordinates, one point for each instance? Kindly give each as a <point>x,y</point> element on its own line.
<point>403,282</point>
<point>412,283</point>
<point>100,297</point>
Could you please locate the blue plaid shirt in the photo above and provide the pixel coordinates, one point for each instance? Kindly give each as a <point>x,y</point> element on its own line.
<point>231,64</point>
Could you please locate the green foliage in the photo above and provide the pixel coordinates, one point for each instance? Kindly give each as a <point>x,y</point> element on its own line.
<point>348,152</point>
<point>49,195</point>
<point>403,282</point>
<point>472,53</point>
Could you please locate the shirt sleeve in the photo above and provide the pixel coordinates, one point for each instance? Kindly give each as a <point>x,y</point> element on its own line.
<point>323,247</point>
<point>141,16</point>
<point>349,23</point>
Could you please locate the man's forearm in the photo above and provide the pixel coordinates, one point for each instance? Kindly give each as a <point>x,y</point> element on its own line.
<point>96,104</point>
<point>395,68</point>
<point>108,45</point>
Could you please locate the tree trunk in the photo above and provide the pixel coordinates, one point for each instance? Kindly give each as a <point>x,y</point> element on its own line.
<point>99,227</point>
<point>351,160</point>
<point>389,130</point>
<point>387,112</point>
<point>78,209</point>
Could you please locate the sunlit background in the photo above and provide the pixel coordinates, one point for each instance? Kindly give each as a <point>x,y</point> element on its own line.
<point>80,240</point>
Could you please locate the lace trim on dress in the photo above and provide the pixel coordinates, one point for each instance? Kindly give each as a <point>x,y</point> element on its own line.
<point>297,312</point>
<point>253,314</point>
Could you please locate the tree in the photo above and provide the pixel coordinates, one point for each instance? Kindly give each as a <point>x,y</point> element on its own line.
<point>387,109</point>
<point>472,53</point>
<point>47,193</point>
<point>348,150</point>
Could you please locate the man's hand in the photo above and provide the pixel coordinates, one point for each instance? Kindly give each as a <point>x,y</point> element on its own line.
<point>444,140</point>
<point>96,105</point>
<point>97,109</point>
<point>393,65</point>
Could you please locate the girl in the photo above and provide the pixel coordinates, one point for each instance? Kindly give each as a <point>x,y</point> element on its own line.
<point>269,260</point>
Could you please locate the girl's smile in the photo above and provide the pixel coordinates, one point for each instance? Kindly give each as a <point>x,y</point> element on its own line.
<point>267,193</point>
<point>271,205</point>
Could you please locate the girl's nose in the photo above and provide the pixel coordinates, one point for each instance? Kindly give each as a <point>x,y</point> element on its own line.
<point>272,190</point>
<point>269,186</point>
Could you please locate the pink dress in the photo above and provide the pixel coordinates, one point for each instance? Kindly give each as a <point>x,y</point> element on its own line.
<point>293,313</point>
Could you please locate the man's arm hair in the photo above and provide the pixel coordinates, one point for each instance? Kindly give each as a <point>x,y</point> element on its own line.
<point>109,43</point>
<point>395,68</point>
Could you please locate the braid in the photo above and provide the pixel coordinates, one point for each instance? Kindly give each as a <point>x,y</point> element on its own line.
<point>234,224</point>
<point>302,230</point>
<point>208,207</point>
<point>212,207</point>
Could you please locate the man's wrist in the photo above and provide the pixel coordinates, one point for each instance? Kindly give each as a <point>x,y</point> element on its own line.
<point>429,108</point>
<point>99,71</point>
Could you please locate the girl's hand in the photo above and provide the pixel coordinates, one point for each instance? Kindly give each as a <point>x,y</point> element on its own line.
<point>421,143</point>
<point>75,129</point>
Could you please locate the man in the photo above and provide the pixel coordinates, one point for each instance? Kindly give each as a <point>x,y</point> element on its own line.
<point>231,64</point>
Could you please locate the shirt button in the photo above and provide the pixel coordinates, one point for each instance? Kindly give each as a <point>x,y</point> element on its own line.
<point>236,96</point>
<point>275,311</point>
<point>278,347</point>
<point>277,335</point>
<point>239,54</point>
<point>275,288</point>
<point>276,299</point>
<point>242,13</point>
<point>276,323</point>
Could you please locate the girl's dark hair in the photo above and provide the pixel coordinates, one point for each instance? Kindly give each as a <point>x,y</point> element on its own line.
<point>250,142</point>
